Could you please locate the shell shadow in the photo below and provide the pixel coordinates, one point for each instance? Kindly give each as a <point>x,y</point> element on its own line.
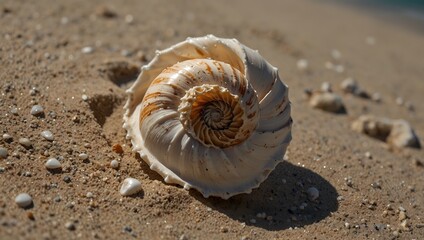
<point>282,197</point>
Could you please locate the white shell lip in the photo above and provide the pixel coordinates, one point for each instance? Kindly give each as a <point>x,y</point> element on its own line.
<point>275,122</point>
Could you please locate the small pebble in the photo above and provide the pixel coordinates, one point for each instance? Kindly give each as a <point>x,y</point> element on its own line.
<point>7,138</point>
<point>33,91</point>
<point>329,65</point>
<point>399,101</point>
<point>339,68</point>
<point>114,164</point>
<point>302,64</point>
<point>303,206</point>
<point>83,156</point>
<point>327,101</point>
<point>349,85</point>
<point>64,20</point>
<point>404,225</point>
<point>376,185</point>
<point>125,53</point>
<point>326,87</point>
<point>3,152</point>
<point>48,135</point>
<point>347,225</point>
<point>368,155</point>
<point>129,18</point>
<point>396,132</point>
<point>183,237</point>
<point>37,110</point>
<point>70,226</point>
<point>25,142</point>
<point>53,163</point>
<point>127,229</point>
<point>336,54</point>
<point>130,186</point>
<point>376,97</point>
<point>84,97</point>
<point>67,179</point>
<point>402,216</point>
<point>313,193</point>
<point>379,226</point>
<point>87,50</point>
<point>23,200</point>
<point>395,233</point>
<point>14,111</point>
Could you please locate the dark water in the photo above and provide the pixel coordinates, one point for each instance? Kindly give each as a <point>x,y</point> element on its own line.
<point>410,13</point>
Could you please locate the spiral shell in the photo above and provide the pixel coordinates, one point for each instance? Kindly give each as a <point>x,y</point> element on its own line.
<point>210,114</point>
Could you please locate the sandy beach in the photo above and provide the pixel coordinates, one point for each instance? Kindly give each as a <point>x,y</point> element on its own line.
<point>75,59</point>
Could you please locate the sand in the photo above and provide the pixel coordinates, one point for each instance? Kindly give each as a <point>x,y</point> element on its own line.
<point>54,52</point>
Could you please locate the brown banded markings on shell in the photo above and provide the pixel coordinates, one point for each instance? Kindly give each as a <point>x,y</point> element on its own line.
<point>209,114</point>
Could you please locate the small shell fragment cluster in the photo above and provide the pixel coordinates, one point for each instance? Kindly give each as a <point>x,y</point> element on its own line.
<point>210,114</point>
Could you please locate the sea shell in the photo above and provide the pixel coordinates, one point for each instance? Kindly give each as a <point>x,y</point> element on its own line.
<point>210,114</point>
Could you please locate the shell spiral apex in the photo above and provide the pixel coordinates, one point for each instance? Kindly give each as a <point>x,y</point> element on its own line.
<point>210,114</point>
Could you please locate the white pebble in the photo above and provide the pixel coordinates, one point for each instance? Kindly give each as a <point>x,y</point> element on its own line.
<point>64,20</point>
<point>347,225</point>
<point>402,135</point>
<point>47,135</point>
<point>130,186</point>
<point>3,152</point>
<point>349,85</point>
<point>14,111</point>
<point>23,200</point>
<point>53,163</point>
<point>302,64</point>
<point>397,132</point>
<point>36,110</point>
<point>329,65</point>
<point>313,193</point>
<point>129,18</point>
<point>368,155</point>
<point>87,50</point>
<point>326,87</point>
<point>327,101</point>
<point>376,97</point>
<point>25,142</point>
<point>84,97</point>
<point>114,164</point>
<point>339,68</point>
<point>83,156</point>
<point>399,101</point>
<point>7,137</point>
<point>89,195</point>
<point>336,54</point>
